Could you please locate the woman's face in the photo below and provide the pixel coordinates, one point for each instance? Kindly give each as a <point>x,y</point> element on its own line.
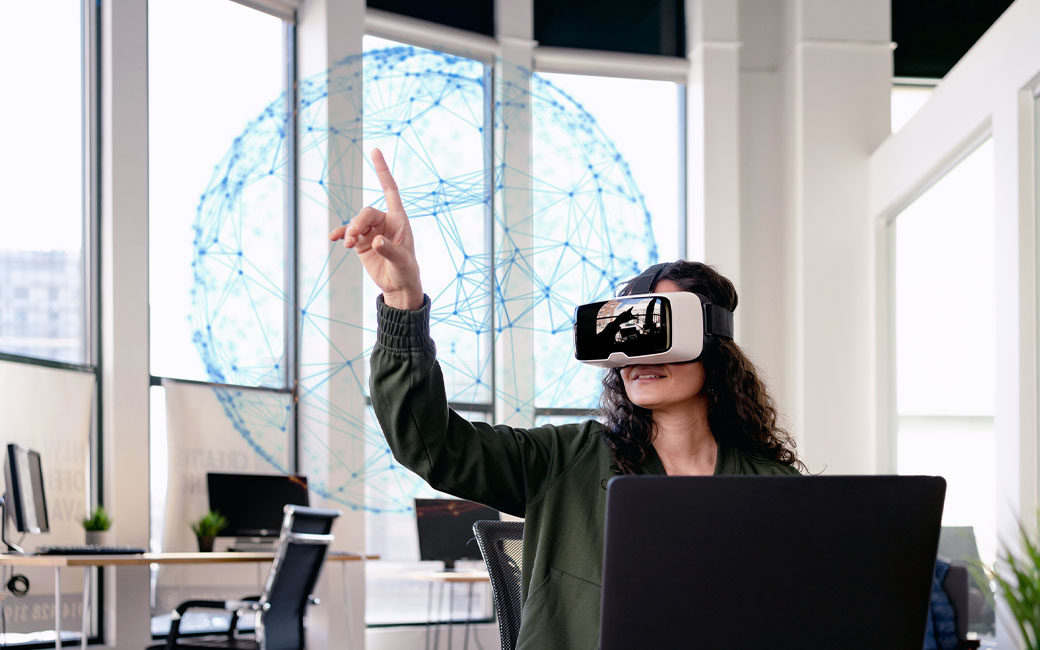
<point>665,385</point>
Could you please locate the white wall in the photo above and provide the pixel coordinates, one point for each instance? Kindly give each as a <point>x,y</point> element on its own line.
<point>124,301</point>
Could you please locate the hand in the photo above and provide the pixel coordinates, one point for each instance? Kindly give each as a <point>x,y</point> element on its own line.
<point>383,241</point>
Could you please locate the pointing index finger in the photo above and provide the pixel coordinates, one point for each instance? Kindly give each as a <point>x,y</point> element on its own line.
<point>386,180</point>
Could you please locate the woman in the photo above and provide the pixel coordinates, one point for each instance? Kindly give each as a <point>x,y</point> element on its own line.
<point>711,416</point>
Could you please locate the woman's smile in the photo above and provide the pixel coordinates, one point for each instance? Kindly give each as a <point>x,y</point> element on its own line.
<point>645,373</point>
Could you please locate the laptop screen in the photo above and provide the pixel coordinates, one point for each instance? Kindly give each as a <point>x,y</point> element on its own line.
<point>769,562</point>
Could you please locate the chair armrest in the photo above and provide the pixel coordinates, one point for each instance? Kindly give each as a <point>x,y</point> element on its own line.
<point>197,604</point>
<point>175,620</point>
<point>249,603</point>
<point>246,604</point>
<point>233,606</point>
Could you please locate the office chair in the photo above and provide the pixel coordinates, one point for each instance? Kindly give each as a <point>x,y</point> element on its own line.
<point>302,546</point>
<point>958,544</point>
<point>501,544</point>
<point>956,586</point>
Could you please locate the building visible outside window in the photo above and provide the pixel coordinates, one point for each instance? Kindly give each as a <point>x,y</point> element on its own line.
<point>42,247</point>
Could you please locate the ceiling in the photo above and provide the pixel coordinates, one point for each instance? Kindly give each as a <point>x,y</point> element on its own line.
<point>930,35</point>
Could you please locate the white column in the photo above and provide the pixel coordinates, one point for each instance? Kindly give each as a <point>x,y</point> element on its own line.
<point>837,77</point>
<point>765,328</point>
<point>124,306</point>
<point>1016,329</point>
<point>713,137</point>
<point>327,32</point>
<point>514,349</point>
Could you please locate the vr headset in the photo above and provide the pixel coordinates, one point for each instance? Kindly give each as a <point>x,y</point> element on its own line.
<point>649,328</point>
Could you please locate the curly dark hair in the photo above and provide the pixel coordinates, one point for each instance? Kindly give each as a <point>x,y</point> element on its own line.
<point>740,411</point>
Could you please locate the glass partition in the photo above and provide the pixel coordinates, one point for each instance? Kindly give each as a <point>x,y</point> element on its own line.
<point>28,417</point>
<point>192,435</point>
<point>945,352</point>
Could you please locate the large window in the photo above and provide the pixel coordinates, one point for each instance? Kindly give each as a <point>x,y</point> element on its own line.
<point>48,322</point>
<point>217,254</point>
<point>428,112</point>
<point>229,308</point>
<point>608,197</point>
<point>508,244</point>
<point>220,272</point>
<point>43,265</point>
<point>945,353</point>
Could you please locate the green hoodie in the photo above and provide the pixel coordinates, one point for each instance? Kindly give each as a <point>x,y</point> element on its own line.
<point>553,476</point>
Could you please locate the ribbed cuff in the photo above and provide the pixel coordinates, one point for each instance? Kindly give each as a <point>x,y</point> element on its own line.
<point>403,330</point>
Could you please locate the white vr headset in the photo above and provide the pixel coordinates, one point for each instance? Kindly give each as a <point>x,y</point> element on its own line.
<point>642,327</point>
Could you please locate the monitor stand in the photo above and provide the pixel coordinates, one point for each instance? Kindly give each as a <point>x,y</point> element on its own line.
<point>254,544</point>
<point>449,566</point>
<point>11,546</point>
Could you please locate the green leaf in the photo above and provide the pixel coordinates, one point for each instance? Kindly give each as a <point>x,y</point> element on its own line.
<point>1018,582</point>
<point>98,520</point>
<point>210,524</point>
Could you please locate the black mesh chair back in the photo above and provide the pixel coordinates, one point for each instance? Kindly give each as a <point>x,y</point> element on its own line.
<point>502,545</point>
<point>302,547</point>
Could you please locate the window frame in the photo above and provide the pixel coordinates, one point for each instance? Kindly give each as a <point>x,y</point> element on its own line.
<point>90,327</point>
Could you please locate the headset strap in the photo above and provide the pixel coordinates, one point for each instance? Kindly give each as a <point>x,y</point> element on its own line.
<point>647,279</point>
<point>718,321</point>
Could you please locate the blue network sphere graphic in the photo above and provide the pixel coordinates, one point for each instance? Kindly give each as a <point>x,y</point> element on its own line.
<point>492,273</point>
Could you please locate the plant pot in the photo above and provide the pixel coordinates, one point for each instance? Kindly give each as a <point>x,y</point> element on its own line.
<point>97,537</point>
<point>205,543</point>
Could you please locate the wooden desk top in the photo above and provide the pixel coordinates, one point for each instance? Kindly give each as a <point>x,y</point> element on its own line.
<point>158,558</point>
<point>476,575</point>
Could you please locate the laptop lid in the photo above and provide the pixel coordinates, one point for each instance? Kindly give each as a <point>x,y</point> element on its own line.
<point>769,562</point>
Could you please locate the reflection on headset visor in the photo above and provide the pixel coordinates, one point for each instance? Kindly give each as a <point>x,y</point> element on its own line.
<point>633,326</point>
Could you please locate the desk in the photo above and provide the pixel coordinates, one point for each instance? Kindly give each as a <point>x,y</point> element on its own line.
<point>140,559</point>
<point>449,578</point>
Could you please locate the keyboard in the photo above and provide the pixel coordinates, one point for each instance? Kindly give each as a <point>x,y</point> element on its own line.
<point>89,549</point>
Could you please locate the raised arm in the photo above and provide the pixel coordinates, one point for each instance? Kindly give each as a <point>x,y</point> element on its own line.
<point>499,466</point>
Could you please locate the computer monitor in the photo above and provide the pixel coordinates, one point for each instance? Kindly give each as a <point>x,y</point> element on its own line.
<point>253,503</point>
<point>24,500</point>
<point>446,529</point>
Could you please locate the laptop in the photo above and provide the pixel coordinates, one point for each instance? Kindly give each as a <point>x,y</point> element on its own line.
<point>755,562</point>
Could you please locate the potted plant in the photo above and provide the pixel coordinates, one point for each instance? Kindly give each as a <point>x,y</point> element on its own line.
<point>1018,582</point>
<point>207,528</point>
<point>96,526</point>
